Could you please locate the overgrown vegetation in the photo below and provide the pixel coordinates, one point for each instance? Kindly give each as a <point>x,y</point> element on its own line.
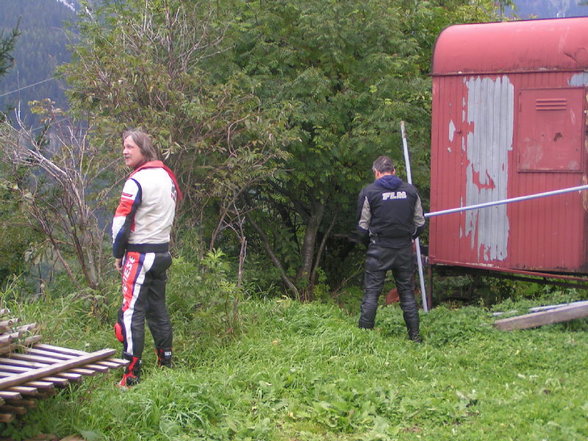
<point>305,372</point>
<point>270,115</point>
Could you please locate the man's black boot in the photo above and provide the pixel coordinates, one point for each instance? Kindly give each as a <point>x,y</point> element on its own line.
<point>412,325</point>
<point>164,357</point>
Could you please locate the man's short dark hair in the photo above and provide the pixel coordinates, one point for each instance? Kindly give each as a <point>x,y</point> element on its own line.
<point>383,165</point>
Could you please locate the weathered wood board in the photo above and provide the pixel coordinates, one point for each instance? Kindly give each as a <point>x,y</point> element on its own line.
<point>555,315</point>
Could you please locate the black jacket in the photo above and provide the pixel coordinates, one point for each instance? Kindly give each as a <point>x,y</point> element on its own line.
<point>389,212</point>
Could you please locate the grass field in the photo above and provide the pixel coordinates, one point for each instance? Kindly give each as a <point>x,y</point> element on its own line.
<point>305,372</point>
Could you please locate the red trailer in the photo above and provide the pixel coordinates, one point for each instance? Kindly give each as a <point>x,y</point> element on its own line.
<point>509,121</point>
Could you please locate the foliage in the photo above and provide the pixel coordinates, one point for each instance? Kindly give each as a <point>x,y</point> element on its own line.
<point>59,176</point>
<point>305,371</point>
<point>148,64</point>
<point>346,74</point>
<point>6,47</point>
<point>205,291</point>
<point>16,234</point>
<point>270,113</point>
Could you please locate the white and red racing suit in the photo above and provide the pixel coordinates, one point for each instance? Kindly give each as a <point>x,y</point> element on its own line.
<point>141,233</point>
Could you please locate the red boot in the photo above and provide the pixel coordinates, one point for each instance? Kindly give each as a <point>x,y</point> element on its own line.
<point>132,374</point>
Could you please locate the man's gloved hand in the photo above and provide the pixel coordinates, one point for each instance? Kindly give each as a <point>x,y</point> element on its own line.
<point>417,232</point>
<point>360,236</point>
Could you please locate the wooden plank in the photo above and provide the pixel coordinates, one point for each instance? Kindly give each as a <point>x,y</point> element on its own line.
<point>27,342</point>
<point>9,395</point>
<point>23,363</point>
<point>56,368</point>
<point>83,371</point>
<point>6,339</point>
<point>108,364</point>
<point>548,307</point>
<point>13,368</point>
<point>533,320</point>
<point>7,417</point>
<point>17,410</point>
<point>37,358</point>
<point>25,390</point>
<point>5,325</point>
<point>57,381</point>
<point>60,350</point>
<point>29,404</point>
<point>119,361</point>
<point>70,376</point>
<point>39,384</point>
<point>27,328</point>
<point>50,354</point>
<point>96,367</point>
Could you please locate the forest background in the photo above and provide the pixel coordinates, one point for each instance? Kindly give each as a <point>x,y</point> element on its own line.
<point>270,114</point>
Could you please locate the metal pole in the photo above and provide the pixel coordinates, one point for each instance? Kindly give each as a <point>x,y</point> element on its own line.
<point>508,201</point>
<point>416,241</point>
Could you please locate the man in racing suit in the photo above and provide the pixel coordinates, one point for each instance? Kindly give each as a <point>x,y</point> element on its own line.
<point>141,233</point>
<point>389,216</point>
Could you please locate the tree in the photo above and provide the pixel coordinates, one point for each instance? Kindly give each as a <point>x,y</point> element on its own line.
<point>6,47</point>
<point>270,112</point>
<point>62,190</point>
<point>345,74</point>
<point>6,60</point>
<point>149,64</point>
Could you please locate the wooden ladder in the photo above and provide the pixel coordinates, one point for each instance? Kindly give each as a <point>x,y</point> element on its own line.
<point>30,370</point>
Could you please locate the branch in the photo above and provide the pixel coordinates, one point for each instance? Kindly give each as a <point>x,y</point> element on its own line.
<point>274,258</point>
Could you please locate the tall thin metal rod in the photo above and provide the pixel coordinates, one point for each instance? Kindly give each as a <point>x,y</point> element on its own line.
<point>416,241</point>
<point>508,201</point>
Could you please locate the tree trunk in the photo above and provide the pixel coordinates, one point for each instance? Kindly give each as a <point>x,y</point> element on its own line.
<point>268,249</point>
<point>307,252</point>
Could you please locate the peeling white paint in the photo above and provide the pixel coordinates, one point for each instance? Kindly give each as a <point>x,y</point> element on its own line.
<point>490,116</point>
<point>579,79</point>
<point>451,131</point>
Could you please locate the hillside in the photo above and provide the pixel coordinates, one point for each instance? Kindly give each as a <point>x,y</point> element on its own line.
<point>42,45</point>
<point>40,48</point>
<point>294,371</point>
<point>551,8</point>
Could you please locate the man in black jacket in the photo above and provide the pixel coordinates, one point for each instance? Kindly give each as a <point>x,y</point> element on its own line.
<point>389,217</point>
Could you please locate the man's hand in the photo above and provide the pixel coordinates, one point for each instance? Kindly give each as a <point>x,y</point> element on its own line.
<point>359,236</point>
<point>118,265</point>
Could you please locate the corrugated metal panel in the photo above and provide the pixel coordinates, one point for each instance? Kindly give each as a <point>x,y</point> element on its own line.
<point>508,47</point>
<point>475,158</point>
<point>489,116</point>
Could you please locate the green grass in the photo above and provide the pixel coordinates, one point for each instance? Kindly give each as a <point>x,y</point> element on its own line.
<point>305,372</point>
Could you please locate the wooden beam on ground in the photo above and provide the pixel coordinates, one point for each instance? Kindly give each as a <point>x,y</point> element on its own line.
<point>14,380</point>
<point>6,417</point>
<point>556,315</point>
<point>9,395</point>
<point>29,404</point>
<point>25,390</point>
<point>9,408</point>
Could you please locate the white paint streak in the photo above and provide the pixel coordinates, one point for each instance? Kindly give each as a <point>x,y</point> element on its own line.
<point>451,131</point>
<point>579,80</point>
<point>490,115</point>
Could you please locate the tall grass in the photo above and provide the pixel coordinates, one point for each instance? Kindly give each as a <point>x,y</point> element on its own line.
<point>305,372</point>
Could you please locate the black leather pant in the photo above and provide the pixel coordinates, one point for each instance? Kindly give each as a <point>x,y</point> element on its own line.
<point>143,284</point>
<point>378,261</point>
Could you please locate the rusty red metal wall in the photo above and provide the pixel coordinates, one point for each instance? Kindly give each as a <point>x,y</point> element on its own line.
<point>510,122</point>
